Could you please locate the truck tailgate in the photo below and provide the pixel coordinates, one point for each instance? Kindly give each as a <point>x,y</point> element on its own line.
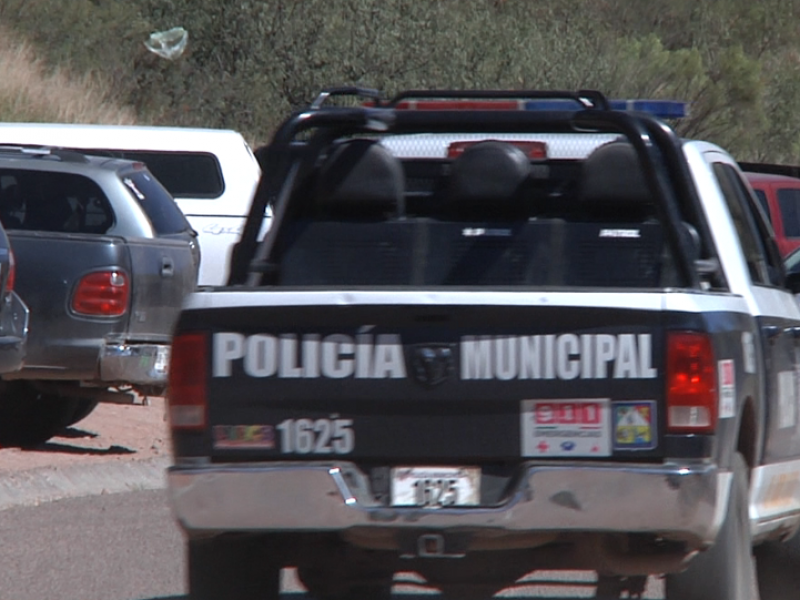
<point>432,382</point>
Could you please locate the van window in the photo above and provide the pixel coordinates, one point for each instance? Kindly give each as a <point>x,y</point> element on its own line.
<point>184,174</point>
<point>789,203</point>
<point>156,202</point>
<point>61,202</point>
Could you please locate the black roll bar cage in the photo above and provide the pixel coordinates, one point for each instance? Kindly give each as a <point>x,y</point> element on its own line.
<point>657,145</point>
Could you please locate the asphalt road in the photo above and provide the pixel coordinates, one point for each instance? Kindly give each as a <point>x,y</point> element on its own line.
<point>126,547</point>
<point>106,547</point>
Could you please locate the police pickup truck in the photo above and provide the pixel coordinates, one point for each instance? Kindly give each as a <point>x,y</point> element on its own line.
<point>480,341</point>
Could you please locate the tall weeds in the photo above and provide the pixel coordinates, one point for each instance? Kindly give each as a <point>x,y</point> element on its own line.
<point>30,91</point>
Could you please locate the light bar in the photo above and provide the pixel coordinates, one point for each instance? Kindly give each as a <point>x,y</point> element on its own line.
<point>664,109</point>
<point>460,105</point>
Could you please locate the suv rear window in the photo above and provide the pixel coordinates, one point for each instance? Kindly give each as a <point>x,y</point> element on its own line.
<point>156,202</point>
<point>184,174</point>
<point>61,202</point>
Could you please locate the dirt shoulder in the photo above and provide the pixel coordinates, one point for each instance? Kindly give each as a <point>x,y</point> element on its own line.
<point>112,433</point>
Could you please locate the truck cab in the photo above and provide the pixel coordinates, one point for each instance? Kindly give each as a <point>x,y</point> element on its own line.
<point>779,197</point>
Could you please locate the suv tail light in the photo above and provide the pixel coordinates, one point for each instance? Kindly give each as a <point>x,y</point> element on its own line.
<point>102,294</point>
<point>12,272</point>
<point>186,388</point>
<point>692,397</point>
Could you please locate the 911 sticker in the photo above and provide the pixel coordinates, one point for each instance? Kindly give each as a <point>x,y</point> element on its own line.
<point>575,427</point>
<point>635,425</point>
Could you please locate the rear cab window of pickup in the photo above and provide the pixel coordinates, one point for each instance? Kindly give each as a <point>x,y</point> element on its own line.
<point>789,203</point>
<point>492,216</point>
<point>58,202</point>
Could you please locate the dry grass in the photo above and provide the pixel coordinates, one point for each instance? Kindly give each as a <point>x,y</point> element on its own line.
<point>29,91</point>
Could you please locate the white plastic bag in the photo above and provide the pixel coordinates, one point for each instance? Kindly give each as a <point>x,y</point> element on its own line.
<point>168,44</point>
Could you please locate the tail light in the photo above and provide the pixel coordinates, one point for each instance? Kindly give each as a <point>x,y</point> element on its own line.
<point>102,294</point>
<point>12,272</point>
<point>186,388</point>
<point>692,397</point>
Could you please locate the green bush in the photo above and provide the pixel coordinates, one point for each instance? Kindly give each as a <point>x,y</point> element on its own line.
<point>249,62</point>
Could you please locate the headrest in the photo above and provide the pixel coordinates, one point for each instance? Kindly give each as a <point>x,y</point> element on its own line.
<point>612,183</point>
<point>486,180</point>
<point>360,178</point>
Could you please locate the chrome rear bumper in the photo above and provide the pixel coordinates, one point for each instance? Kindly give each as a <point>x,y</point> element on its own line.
<point>683,502</point>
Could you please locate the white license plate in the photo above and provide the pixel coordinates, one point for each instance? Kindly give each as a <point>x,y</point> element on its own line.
<point>436,487</point>
<point>161,362</point>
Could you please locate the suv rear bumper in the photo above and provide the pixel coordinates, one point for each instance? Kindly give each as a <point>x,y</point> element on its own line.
<point>681,502</point>
<point>134,363</point>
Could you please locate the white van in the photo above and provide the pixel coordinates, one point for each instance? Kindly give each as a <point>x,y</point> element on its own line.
<point>212,173</point>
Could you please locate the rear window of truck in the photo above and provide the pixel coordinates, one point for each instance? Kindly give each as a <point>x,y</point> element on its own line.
<point>789,202</point>
<point>487,218</point>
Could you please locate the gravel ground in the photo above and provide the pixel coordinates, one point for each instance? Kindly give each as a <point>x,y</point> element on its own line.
<point>112,433</point>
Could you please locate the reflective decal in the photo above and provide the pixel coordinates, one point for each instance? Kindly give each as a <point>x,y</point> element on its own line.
<point>579,427</point>
<point>310,356</point>
<point>635,425</point>
<point>748,352</point>
<point>726,373</point>
<point>317,436</point>
<point>244,436</point>
<point>620,233</point>
<point>787,403</point>
<point>381,356</point>
<point>775,490</point>
<point>566,356</point>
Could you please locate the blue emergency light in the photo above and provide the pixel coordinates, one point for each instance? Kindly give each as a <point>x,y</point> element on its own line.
<point>663,109</point>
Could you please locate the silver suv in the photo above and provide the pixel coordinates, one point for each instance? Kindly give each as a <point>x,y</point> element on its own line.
<point>104,259</point>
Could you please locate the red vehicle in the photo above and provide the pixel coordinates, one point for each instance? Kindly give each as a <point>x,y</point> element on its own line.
<point>779,196</point>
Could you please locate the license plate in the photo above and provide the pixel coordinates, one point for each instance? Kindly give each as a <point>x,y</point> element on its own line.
<point>161,361</point>
<point>436,487</point>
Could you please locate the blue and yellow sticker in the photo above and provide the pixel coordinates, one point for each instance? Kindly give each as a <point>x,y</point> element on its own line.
<point>635,425</point>
<point>244,436</point>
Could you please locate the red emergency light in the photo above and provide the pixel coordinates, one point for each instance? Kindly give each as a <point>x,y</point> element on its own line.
<point>460,105</point>
<point>533,150</point>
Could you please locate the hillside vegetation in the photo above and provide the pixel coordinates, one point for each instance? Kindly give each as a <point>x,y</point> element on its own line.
<point>31,91</point>
<point>249,62</point>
